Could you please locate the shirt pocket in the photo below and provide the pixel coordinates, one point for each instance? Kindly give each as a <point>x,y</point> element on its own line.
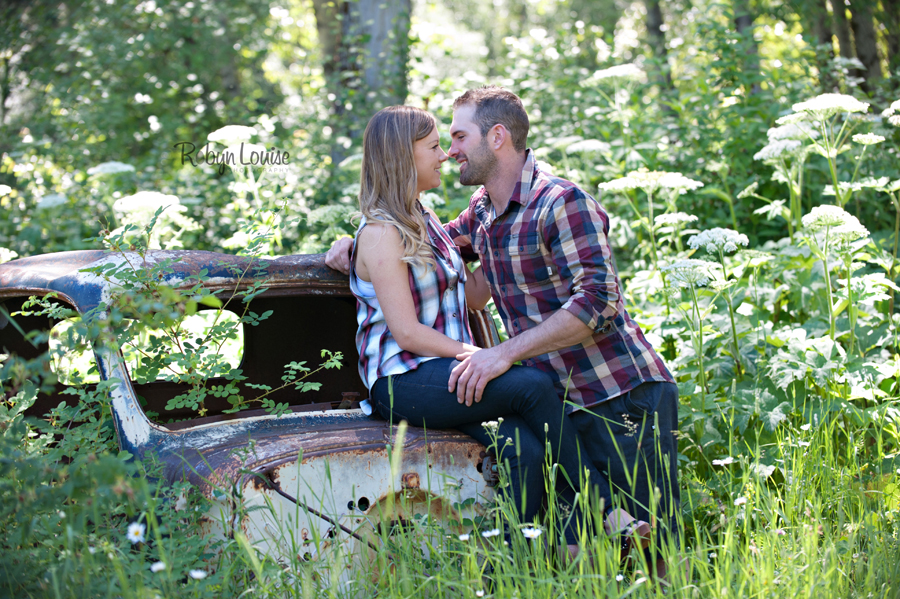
<point>530,268</point>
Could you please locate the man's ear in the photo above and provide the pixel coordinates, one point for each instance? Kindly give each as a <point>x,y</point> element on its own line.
<point>497,135</point>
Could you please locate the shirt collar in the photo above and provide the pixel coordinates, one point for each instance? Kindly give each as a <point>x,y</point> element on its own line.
<point>522,191</point>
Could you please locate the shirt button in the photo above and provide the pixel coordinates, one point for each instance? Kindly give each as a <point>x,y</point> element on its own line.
<point>496,253</point>
<point>454,315</point>
<point>450,288</point>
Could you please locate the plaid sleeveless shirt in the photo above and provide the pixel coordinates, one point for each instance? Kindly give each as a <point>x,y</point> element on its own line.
<point>439,296</point>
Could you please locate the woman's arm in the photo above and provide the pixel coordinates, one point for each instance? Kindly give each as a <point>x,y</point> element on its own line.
<point>478,292</point>
<point>379,253</point>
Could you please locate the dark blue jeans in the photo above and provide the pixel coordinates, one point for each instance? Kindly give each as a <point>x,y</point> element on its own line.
<point>532,414</point>
<point>632,439</point>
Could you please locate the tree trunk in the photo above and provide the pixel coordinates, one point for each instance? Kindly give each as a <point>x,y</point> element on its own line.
<point>891,20</point>
<point>365,51</point>
<point>743,23</point>
<point>863,24</point>
<point>657,39</point>
<point>842,28</point>
<point>817,33</point>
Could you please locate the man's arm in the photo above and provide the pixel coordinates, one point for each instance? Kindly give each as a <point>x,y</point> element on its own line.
<point>575,230</point>
<point>477,369</point>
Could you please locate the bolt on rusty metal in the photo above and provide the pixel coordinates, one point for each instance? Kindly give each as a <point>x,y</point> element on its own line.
<point>410,480</point>
<point>489,469</point>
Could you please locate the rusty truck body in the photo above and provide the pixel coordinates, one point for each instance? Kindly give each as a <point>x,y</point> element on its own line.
<point>315,474</point>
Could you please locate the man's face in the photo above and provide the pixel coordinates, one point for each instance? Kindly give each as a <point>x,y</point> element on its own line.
<point>477,162</point>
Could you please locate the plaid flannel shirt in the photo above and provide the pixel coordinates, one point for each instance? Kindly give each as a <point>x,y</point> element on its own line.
<point>549,251</point>
<point>439,296</point>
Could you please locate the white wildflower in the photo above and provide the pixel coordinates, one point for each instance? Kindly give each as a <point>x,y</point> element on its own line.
<point>6,255</point>
<point>828,105</point>
<point>755,257</point>
<point>51,201</point>
<point>588,146</point>
<point>797,118</point>
<point>110,168</point>
<point>824,216</point>
<point>748,191</point>
<point>895,120</point>
<point>479,593</point>
<point>723,462</point>
<point>650,181</point>
<point>232,134</point>
<point>762,470</point>
<point>197,574</point>
<point>532,533</point>
<point>145,201</point>
<point>157,567</point>
<point>136,532</point>
<point>673,218</point>
<point>690,272</point>
<point>5,189</point>
<point>464,537</point>
<point>801,131</point>
<point>868,139</point>
<point>778,148</point>
<point>624,72</point>
<point>717,240</point>
<point>619,578</point>
<point>740,501</point>
<point>491,533</point>
<point>241,154</point>
<point>806,427</point>
<point>850,231</point>
<point>881,184</point>
<point>780,532</point>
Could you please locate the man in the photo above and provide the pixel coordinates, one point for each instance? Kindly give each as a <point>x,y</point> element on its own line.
<point>542,242</point>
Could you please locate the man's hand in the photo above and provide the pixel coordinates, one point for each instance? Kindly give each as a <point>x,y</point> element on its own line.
<point>474,371</point>
<point>338,257</point>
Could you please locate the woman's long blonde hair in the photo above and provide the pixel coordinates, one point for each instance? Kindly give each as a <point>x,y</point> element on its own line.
<point>388,179</point>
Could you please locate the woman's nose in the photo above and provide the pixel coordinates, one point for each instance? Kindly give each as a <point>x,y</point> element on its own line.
<point>444,157</point>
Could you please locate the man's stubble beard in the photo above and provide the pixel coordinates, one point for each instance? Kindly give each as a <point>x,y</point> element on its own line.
<point>479,166</point>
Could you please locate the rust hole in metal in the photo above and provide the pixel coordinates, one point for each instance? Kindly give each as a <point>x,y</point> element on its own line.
<point>363,503</point>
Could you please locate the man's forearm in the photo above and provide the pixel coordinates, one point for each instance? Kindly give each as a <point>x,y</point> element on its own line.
<point>563,329</point>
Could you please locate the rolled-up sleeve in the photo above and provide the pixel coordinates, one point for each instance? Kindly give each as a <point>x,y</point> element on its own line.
<point>575,230</point>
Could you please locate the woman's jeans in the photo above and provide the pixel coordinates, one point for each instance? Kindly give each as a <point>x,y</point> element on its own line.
<point>532,413</point>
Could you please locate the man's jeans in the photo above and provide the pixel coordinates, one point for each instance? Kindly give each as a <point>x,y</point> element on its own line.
<point>526,400</point>
<point>632,439</point>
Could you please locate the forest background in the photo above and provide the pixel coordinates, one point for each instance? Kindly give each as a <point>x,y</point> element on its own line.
<point>755,223</point>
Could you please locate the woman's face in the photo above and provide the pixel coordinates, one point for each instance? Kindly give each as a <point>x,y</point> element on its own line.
<point>429,157</point>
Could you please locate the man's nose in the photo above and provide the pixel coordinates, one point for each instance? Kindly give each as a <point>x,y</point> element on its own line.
<point>453,151</point>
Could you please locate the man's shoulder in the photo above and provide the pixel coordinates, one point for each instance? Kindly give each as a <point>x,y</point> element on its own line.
<point>548,189</point>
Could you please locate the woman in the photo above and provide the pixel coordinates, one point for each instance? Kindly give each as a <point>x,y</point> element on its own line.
<point>412,289</point>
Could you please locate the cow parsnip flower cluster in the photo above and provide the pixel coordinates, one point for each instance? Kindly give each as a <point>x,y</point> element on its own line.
<point>588,146</point>
<point>868,139</point>
<point>779,148</point>
<point>622,72</point>
<point>889,113</point>
<point>801,131</point>
<point>690,272</point>
<point>825,216</point>
<point>717,240</point>
<point>110,168</point>
<point>651,181</point>
<point>232,134</point>
<point>825,106</point>
<point>672,219</point>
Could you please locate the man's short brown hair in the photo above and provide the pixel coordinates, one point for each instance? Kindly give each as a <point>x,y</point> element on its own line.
<point>495,105</point>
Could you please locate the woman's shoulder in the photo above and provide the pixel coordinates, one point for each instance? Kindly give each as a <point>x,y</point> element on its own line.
<point>376,232</point>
